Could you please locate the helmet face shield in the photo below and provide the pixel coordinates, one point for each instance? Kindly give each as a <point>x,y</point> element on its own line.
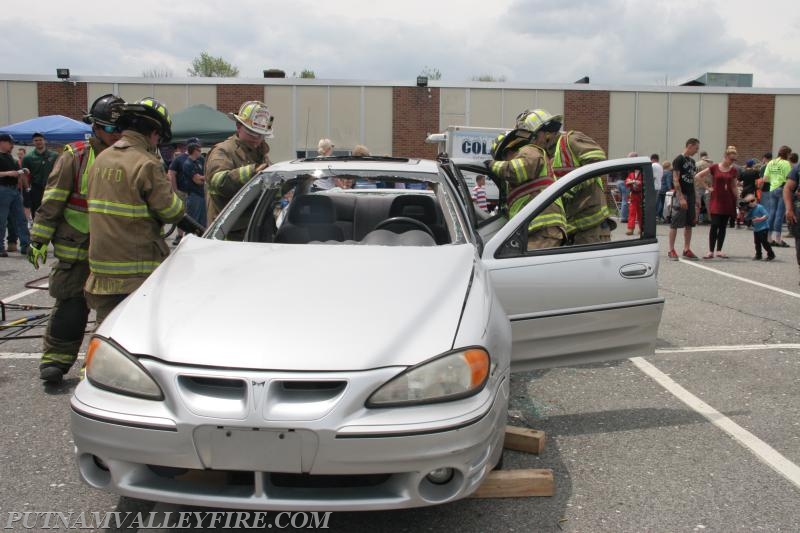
<point>512,140</point>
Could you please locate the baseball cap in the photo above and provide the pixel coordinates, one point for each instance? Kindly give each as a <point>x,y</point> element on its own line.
<point>6,137</point>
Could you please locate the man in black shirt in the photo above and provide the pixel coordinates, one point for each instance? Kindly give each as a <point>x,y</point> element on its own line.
<point>10,197</point>
<point>685,216</point>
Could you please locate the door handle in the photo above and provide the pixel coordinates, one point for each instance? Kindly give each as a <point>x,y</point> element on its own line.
<point>636,270</point>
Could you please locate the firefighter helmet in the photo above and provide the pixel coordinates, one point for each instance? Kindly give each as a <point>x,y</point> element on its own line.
<point>255,116</point>
<point>153,110</point>
<point>105,110</point>
<point>510,140</point>
<point>538,119</point>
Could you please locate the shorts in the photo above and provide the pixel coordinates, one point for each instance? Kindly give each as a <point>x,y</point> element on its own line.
<point>684,217</point>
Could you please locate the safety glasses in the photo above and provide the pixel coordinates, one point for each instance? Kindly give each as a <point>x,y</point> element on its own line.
<point>109,128</point>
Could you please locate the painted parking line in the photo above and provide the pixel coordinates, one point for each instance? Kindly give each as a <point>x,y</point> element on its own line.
<point>19,295</point>
<point>739,278</point>
<point>14,355</point>
<point>760,449</point>
<point>729,348</point>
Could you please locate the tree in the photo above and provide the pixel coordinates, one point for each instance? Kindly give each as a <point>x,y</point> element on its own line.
<point>431,73</point>
<point>209,66</point>
<point>305,73</point>
<point>156,72</point>
<point>488,77</point>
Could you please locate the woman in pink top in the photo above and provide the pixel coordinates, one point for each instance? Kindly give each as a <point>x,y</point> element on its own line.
<point>723,199</point>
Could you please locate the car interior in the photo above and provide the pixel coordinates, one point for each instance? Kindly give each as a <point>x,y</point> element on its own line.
<point>385,216</point>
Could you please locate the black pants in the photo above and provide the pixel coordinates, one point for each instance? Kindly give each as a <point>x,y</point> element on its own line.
<point>716,235</point>
<point>760,239</point>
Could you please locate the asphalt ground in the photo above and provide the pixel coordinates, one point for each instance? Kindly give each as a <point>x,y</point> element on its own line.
<point>627,454</point>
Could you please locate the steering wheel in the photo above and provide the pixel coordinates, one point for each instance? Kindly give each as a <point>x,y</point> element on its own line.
<point>405,222</point>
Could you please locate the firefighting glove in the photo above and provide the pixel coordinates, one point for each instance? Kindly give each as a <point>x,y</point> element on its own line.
<point>37,251</point>
<point>488,163</point>
<point>190,225</point>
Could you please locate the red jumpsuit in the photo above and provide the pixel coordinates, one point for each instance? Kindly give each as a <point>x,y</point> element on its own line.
<point>635,184</point>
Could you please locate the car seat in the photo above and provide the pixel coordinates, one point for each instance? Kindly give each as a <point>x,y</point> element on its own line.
<point>312,217</point>
<point>422,208</point>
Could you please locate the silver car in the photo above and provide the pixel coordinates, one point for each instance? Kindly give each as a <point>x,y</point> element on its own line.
<point>342,337</point>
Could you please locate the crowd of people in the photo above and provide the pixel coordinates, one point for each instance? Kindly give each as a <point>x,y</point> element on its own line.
<point>724,195</point>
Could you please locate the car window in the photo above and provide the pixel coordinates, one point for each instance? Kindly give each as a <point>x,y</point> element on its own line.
<point>589,213</point>
<point>320,206</point>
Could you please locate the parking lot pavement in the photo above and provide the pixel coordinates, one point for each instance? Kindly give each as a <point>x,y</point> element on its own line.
<point>628,454</point>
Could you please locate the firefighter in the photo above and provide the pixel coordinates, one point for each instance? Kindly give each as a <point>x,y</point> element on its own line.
<point>129,200</point>
<point>523,166</point>
<point>62,219</point>
<point>234,161</point>
<point>585,204</point>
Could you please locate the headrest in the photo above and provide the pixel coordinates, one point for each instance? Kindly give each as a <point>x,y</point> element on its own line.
<point>415,206</point>
<point>312,209</point>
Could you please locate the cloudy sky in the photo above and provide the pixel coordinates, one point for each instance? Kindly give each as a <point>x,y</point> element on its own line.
<point>614,42</point>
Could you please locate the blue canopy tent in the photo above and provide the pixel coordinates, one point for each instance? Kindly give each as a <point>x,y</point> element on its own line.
<point>55,128</point>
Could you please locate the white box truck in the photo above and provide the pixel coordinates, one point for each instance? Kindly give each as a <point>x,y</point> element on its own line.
<point>466,143</point>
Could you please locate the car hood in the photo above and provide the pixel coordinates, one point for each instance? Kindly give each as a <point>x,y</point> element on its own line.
<point>296,307</point>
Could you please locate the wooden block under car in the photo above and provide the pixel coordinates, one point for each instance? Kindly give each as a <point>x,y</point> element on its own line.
<point>517,484</point>
<point>524,439</point>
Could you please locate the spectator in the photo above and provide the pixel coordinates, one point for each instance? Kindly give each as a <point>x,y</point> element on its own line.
<point>722,205</point>
<point>360,150</point>
<point>775,174</point>
<point>658,171</point>
<point>325,149</point>
<point>623,194</point>
<point>10,198</point>
<point>666,186</point>
<point>685,216</point>
<point>763,185</point>
<point>479,193</point>
<point>757,215</point>
<point>791,198</point>
<point>40,163</point>
<point>635,185</point>
<point>174,171</point>
<point>191,183</point>
<point>748,178</point>
<point>702,187</point>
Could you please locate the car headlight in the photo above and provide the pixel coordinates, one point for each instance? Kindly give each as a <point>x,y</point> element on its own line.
<point>448,377</point>
<point>109,367</point>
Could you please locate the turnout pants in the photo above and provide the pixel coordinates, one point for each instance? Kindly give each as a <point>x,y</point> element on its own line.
<point>67,323</point>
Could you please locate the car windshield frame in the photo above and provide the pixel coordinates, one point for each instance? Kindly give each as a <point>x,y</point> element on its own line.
<point>271,184</point>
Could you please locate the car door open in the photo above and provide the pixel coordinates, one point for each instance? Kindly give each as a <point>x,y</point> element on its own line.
<point>580,303</point>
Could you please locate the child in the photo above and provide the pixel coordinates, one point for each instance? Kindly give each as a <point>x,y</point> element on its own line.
<point>757,214</point>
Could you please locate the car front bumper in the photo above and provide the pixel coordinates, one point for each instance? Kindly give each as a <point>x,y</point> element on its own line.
<point>208,446</point>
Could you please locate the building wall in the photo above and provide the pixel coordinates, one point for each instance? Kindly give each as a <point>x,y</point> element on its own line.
<point>396,118</point>
<point>587,111</point>
<point>230,97</point>
<point>415,116</point>
<point>751,121</point>
<point>787,123</point>
<point>54,98</point>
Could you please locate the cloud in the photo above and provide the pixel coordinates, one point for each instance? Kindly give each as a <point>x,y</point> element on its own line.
<point>615,42</point>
